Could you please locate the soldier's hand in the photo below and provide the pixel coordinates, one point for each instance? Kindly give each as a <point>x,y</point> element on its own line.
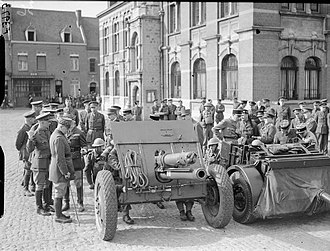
<point>67,176</point>
<point>30,134</point>
<point>83,151</point>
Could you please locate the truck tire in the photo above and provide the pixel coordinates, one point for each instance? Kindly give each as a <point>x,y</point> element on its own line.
<point>243,208</point>
<point>219,203</point>
<point>106,209</point>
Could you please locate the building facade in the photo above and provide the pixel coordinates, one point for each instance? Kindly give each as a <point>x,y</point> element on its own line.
<point>222,50</point>
<point>51,54</point>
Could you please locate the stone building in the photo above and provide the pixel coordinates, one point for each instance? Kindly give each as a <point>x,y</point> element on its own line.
<point>216,50</point>
<point>51,53</point>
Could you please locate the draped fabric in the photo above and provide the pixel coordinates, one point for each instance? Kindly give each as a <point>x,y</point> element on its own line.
<point>312,85</point>
<point>289,88</point>
<point>229,76</point>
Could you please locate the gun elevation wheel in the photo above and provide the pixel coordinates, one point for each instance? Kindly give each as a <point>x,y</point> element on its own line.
<point>105,205</point>
<point>219,203</point>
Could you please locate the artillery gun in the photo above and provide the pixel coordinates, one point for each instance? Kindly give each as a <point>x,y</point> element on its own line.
<point>160,161</point>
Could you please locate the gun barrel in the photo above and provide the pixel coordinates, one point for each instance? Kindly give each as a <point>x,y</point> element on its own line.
<point>179,159</point>
<point>196,174</point>
<point>325,197</point>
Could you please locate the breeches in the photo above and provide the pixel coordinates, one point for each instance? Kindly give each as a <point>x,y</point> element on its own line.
<point>41,179</point>
<point>60,189</point>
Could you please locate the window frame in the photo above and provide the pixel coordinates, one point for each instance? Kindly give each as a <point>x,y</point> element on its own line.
<point>74,59</point>
<point>115,36</point>
<point>199,74</point>
<point>284,91</point>
<point>176,90</point>
<point>197,13</point>
<point>308,92</point>
<point>229,65</point>
<point>22,63</point>
<point>90,65</point>
<point>37,62</point>
<point>116,84</point>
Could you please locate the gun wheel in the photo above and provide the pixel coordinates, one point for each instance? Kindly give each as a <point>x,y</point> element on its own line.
<point>219,203</point>
<point>105,205</point>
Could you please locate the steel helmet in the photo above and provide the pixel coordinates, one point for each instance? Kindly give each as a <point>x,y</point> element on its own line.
<point>213,141</point>
<point>98,142</point>
<point>256,142</point>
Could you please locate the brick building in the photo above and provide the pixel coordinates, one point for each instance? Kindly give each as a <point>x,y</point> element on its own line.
<point>218,50</point>
<point>51,53</point>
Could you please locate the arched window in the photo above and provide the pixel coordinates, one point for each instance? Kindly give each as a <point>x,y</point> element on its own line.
<point>116,91</point>
<point>107,86</point>
<point>229,77</point>
<point>135,53</point>
<point>199,79</point>
<point>175,80</point>
<point>312,78</point>
<point>289,86</point>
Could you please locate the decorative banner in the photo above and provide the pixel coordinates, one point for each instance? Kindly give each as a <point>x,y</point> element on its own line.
<point>5,19</point>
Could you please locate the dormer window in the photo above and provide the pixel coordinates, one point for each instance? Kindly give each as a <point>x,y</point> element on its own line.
<point>66,34</point>
<point>30,33</point>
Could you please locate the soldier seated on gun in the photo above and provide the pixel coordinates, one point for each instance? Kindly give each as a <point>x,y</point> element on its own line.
<point>306,137</point>
<point>212,155</point>
<point>94,161</point>
<point>286,134</point>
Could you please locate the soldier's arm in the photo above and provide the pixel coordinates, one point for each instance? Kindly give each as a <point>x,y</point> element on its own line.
<point>59,148</point>
<point>83,142</point>
<point>103,122</point>
<point>217,130</point>
<point>86,122</point>
<point>20,139</point>
<point>77,117</point>
<point>113,160</point>
<point>268,139</point>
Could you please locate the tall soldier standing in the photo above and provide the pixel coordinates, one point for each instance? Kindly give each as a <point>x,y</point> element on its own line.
<point>171,110</point>
<point>137,111</point>
<point>283,112</point>
<point>112,116</point>
<point>69,109</point>
<point>38,141</point>
<point>207,122</point>
<point>95,124</point>
<point>61,169</point>
<point>322,129</point>
<point>219,110</point>
<point>83,115</point>
<point>36,107</point>
<point>180,111</point>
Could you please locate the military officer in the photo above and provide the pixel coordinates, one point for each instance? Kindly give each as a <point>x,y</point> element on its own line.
<point>266,104</point>
<point>246,128</point>
<point>21,140</point>
<point>219,110</point>
<point>83,115</point>
<point>207,123</point>
<point>69,109</point>
<point>37,107</point>
<point>267,132</point>
<point>127,115</point>
<point>242,105</point>
<point>61,169</point>
<point>283,111</point>
<point>286,134</point>
<point>137,111</point>
<point>298,119</point>
<point>201,108</point>
<point>260,120</point>
<point>112,117</point>
<point>38,143</point>
<point>306,136</point>
<point>118,108</point>
<point>309,119</point>
<point>155,107</point>
<point>236,103</point>
<point>171,109</point>
<point>316,107</point>
<point>95,124</point>
<point>322,129</point>
<point>77,142</point>
<point>163,110</point>
<point>180,111</point>
<point>302,104</point>
<point>52,119</point>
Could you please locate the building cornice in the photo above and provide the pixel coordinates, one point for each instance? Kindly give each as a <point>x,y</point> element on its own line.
<point>261,28</point>
<point>43,42</point>
<point>216,36</point>
<point>112,8</point>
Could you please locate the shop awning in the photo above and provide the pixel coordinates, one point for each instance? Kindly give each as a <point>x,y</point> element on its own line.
<point>34,76</point>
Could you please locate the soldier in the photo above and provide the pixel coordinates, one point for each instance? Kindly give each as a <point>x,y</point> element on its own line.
<point>137,111</point>
<point>219,110</point>
<point>302,104</point>
<point>36,107</point>
<point>112,116</point>
<point>118,108</point>
<point>61,169</point>
<point>163,110</point>
<point>227,129</point>
<point>95,124</point>
<point>83,115</point>
<point>21,140</point>
<point>268,131</point>
<point>69,109</point>
<point>283,111</point>
<point>316,107</point>
<point>155,107</point>
<point>207,123</point>
<point>322,129</point>
<point>306,136</point>
<point>260,120</point>
<point>266,104</point>
<point>212,155</point>
<point>246,128</point>
<point>127,115</point>
<point>242,105</point>
<point>180,111</point>
<point>298,119</point>
<point>286,134</point>
<point>77,142</point>
<point>236,104</point>
<point>201,108</point>
<point>253,110</point>
<point>38,143</point>
<point>212,107</point>
<point>171,110</point>
<point>93,161</point>
<point>309,120</point>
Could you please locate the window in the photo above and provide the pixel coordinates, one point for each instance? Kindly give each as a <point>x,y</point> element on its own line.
<point>175,80</point>
<point>115,37</point>
<point>228,9</point>
<point>41,63</point>
<point>107,85</point>
<point>312,79</point>
<point>314,7</point>
<point>67,37</point>
<point>74,63</point>
<point>23,63</point>
<point>285,6</point>
<point>300,6</point>
<point>125,33</point>
<point>199,79</point>
<point>92,64</point>
<point>65,34</point>
<point>135,53</point>
<point>74,88</point>
<point>198,13</point>
<point>30,35</point>
<point>289,86</point>
<point>175,17</point>
<point>116,91</point>
<point>229,77</point>
<point>106,41</point>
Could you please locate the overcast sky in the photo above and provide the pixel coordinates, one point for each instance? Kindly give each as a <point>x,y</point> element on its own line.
<point>88,8</point>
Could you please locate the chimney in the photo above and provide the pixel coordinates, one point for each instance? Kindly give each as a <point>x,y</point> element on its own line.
<point>78,15</point>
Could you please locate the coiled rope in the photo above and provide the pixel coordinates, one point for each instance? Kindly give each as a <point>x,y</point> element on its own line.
<point>134,172</point>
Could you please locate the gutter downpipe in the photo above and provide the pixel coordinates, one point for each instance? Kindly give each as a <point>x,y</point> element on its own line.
<point>161,14</point>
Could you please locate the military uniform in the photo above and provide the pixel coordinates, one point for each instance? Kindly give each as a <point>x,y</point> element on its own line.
<point>311,125</point>
<point>247,129</point>
<point>82,120</point>
<point>154,109</point>
<point>93,164</point>
<point>226,130</point>
<point>74,112</point>
<point>207,123</point>
<point>309,138</point>
<point>137,112</point>
<point>163,112</point>
<point>171,112</point>
<point>267,133</point>
<point>282,112</point>
<point>95,124</point>
<point>322,130</point>
<point>180,112</point>
<point>297,121</point>
<point>219,110</point>
<point>285,137</point>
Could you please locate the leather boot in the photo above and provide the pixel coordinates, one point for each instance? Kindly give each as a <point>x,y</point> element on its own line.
<point>183,216</point>
<point>127,219</point>
<point>51,201</point>
<point>80,195</point>
<point>60,218</point>
<point>40,209</point>
<point>26,185</point>
<point>190,217</point>
<point>47,205</point>
<point>32,184</point>
<point>66,200</point>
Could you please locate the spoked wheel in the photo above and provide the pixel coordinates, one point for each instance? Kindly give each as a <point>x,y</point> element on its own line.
<point>105,205</point>
<point>219,203</point>
<point>243,205</point>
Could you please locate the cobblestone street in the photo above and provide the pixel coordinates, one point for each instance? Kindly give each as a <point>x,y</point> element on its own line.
<point>154,229</point>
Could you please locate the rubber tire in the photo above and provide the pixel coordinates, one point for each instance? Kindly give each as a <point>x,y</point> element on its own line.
<point>219,215</point>
<point>106,209</point>
<point>244,215</point>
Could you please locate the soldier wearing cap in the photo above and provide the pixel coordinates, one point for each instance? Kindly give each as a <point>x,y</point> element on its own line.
<point>111,117</point>
<point>247,128</point>
<point>282,112</point>
<point>306,136</point>
<point>236,103</point>
<point>83,115</point>
<point>38,143</point>
<point>21,140</point>
<point>118,108</point>
<point>127,114</point>
<point>77,142</point>
<point>155,107</point>
<point>242,105</point>
<point>69,109</point>
<point>154,117</point>
<point>163,110</point>
<point>52,119</point>
<point>268,131</point>
<point>286,134</point>
<point>180,111</point>
<point>219,110</point>
<point>61,169</point>
<point>316,107</point>
<point>253,110</point>
<point>302,104</point>
<point>137,111</point>
<point>95,124</point>
<point>322,129</point>
<point>36,107</point>
<point>260,121</point>
<point>309,119</point>
<point>266,104</point>
<point>171,110</point>
<point>227,129</point>
<point>298,119</point>
<point>207,122</point>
